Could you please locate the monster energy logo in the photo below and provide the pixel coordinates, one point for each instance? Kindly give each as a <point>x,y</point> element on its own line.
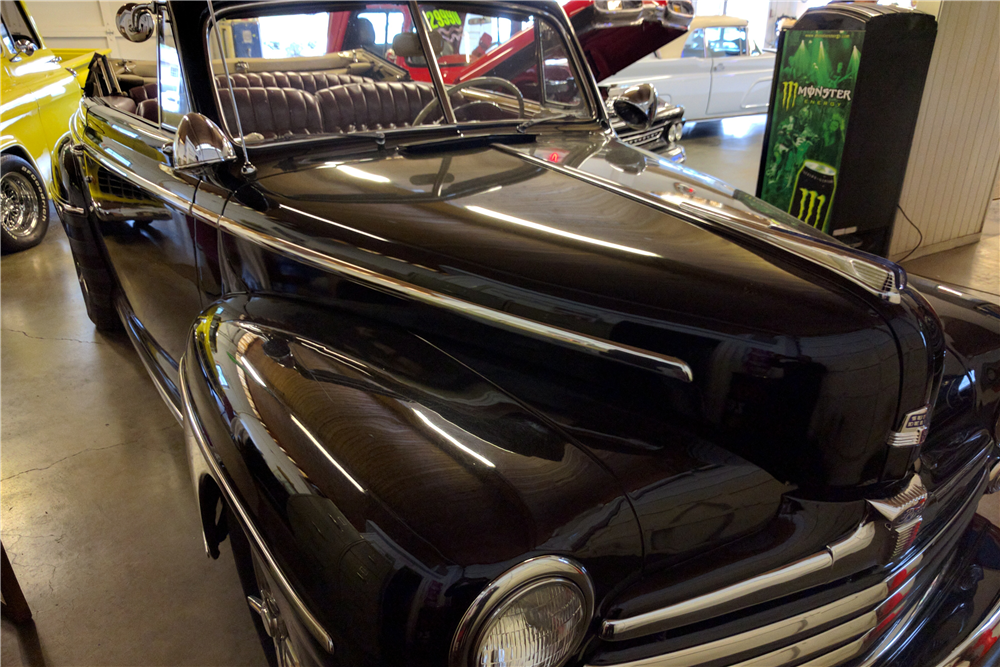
<point>808,200</point>
<point>789,91</point>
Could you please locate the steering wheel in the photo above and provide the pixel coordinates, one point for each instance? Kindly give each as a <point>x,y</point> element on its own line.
<point>495,80</point>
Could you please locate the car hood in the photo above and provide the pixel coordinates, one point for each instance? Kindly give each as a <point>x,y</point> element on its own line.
<point>613,40</point>
<point>793,367</point>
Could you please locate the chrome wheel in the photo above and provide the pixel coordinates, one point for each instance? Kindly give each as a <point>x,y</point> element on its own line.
<point>19,204</point>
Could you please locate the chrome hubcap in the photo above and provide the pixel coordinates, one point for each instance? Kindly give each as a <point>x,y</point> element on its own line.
<point>19,204</point>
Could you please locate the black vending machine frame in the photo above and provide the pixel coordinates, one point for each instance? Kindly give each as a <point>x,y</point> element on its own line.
<point>886,103</point>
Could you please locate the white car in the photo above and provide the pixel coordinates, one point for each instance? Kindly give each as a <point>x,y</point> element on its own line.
<point>713,71</point>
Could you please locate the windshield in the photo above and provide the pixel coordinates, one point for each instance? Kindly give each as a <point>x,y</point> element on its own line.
<point>362,67</point>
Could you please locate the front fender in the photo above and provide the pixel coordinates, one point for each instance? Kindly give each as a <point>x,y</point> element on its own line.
<point>967,407</point>
<point>387,482</point>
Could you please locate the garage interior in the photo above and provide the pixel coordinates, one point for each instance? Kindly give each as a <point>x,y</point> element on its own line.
<point>97,517</point>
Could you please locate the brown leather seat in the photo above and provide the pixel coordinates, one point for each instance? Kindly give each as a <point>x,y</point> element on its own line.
<point>120,102</point>
<point>143,92</point>
<point>149,109</point>
<point>311,82</point>
<point>273,112</point>
<point>381,105</point>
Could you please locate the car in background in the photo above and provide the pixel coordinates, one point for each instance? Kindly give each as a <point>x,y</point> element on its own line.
<point>40,89</point>
<point>714,71</point>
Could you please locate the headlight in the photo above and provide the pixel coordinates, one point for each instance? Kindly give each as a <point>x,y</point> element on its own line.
<point>675,132</point>
<point>533,615</point>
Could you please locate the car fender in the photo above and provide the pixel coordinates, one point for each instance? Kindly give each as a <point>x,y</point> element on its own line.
<point>382,482</point>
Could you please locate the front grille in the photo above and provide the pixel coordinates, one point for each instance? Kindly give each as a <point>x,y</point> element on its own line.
<point>111,185</point>
<point>641,138</point>
<point>871,615</point>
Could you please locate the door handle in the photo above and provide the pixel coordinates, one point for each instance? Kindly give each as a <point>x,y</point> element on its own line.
<point>719,67</point>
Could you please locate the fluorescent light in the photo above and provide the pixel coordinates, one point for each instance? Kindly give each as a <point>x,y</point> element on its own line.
<point>437,429</point>
<point>251,371</point>
<point>357,173</point>
<point>325,453</point>
<point>331,222</point>
<point>558,232</point>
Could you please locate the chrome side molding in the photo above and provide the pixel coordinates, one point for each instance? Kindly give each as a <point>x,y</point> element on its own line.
<point>659,363</point>
<point>886,280</point>
<point>674,615</point>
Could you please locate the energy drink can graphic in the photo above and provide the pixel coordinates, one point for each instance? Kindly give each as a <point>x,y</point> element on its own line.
<point>813,194</point>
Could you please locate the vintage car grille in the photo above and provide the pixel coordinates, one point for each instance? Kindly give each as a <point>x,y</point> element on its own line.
<point>851,623</point>
<point>114,186</point>
<point>642,137</point>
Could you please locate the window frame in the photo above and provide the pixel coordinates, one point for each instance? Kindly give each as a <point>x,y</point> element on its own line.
<point>35,37</point>
<point>589,96</point>
<point>745,44</point>
<point>704,44</point>
<point>163,13</point>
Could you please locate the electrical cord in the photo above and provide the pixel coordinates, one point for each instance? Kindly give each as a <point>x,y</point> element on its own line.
<point>920,233</point>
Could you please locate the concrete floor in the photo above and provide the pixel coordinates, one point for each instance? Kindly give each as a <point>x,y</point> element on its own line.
<point>98,515</point>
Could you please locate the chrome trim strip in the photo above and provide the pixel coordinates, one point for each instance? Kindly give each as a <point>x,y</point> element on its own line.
<point>305,615</point>
<point>801,246</point>
<point>660,363</point>
<point>769,634</point>
<point>510,582</point>
<point>661,619</point>
<point>126,316</point>
<point>861,625</point>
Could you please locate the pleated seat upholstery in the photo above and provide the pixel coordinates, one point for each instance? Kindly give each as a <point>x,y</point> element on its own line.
<point>372,105</point>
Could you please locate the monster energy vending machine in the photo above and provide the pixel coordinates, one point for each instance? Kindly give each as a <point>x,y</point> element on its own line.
<point>848,79</point>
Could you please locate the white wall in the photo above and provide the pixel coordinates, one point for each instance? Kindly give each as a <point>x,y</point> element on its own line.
<point>86,24</point>
<point>955,158</point>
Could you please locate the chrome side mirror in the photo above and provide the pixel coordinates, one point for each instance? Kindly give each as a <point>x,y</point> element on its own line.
<point>25,47</point>
<point>200,142</point>
<point>637,106</point>
<point>135,22</point>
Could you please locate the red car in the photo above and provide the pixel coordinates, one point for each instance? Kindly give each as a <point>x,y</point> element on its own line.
<point>613,34</point>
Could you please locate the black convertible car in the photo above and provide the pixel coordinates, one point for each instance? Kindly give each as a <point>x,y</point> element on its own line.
<point>468,381</point>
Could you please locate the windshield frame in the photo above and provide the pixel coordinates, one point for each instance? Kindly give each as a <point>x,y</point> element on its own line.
<point>544,11</point>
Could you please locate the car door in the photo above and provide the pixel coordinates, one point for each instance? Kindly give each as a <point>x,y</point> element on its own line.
<point>143,209</point>
<point>684,81</point>
<point>741,81</point>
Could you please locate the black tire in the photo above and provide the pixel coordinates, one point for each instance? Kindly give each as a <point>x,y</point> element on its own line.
<point>25,205</point>
<point>95,280</point>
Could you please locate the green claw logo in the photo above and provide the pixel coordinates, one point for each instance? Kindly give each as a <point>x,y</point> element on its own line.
<point>808,200</point>
<point>789,92</point>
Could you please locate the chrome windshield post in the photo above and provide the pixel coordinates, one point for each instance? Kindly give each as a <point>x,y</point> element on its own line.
<point>423,31</point>
<point>247,169</point>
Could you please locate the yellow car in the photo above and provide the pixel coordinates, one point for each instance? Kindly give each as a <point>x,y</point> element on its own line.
<point>39,89</point>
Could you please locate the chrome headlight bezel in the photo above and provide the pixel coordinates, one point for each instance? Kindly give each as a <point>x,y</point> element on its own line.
<point>503,589</point>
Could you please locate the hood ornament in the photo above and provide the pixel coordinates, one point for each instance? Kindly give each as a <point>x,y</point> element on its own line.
<point>904,514</point>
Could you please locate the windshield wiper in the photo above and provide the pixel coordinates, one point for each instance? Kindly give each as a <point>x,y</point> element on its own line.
<point>522,128</point>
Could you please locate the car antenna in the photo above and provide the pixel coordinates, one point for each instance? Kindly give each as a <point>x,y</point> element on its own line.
<point>247,169</point>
